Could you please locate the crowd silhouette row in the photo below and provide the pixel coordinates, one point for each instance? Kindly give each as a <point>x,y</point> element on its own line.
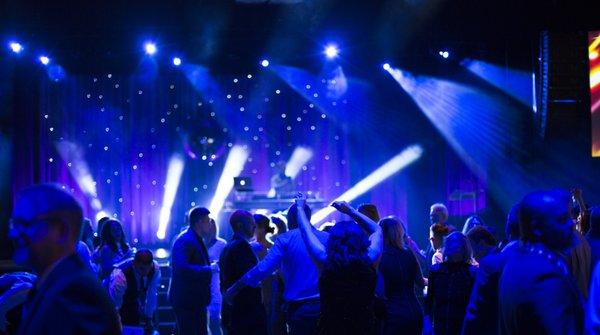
<point>364,275</point>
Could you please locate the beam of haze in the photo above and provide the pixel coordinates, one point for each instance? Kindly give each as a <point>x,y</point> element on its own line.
<point>176,165</point>
<point>518,84</point>
<point>73,155</point>
<point>391,167</point>
<point>234,165</point>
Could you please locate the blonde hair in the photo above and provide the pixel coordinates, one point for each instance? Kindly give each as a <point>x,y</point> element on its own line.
<point>393,231</point>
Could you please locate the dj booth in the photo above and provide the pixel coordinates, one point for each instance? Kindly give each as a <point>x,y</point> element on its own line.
<point>253,202</point>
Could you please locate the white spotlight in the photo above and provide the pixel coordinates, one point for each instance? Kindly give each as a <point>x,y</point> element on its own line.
<point>16,47</point>
<point>176,61</point>
<point>161,253</point>
<point>397,163</point>
<point>331,51</point>
<point>264,63</point>
<point>233,167</point>
<point>445,54</point>
<point>100,215</point>
<point>300,157</point>
<point>150,48</point>
<point>174,172</point>
<point>386,66</point>
<point>44,60</point>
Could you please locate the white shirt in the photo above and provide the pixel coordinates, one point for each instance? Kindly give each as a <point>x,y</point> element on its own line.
<point>214,252</point>
<point>298,270</point>
<point>118,285</point>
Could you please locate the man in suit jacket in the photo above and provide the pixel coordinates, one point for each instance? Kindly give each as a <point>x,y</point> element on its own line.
<point>189,292</point>
<point>245,313</point>
<point>67,298</point>
<point>537,294</point>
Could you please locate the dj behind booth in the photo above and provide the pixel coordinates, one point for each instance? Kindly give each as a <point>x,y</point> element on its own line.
<point>277,200</point>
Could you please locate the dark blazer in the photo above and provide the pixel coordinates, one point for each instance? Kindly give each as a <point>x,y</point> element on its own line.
<point>537,295</point>
<point>482,311</point>
<point>247,309</point>
<point>71,300</point>
<point>190,282</point>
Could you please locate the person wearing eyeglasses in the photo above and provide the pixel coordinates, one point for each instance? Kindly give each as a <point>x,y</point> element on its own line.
<point>67,298</point>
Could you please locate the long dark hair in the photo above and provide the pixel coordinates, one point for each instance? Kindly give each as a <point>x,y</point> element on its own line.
<point>347,244</point>
<point>109,240</point>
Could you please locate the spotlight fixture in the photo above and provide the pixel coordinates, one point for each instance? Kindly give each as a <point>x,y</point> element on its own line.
<point>16,47</point>
<point>150,48</point>
<point>176,61</point>
<point>44,60</point>
<point>331,51</point>
<point>445,54</point>
<point>386,66</point>
<point>264,63</point>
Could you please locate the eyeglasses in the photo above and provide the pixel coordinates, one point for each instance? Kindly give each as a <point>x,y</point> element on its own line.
<point>15,223</point>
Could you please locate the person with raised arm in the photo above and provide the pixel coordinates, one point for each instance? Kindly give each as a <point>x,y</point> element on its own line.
<point>347,272</point>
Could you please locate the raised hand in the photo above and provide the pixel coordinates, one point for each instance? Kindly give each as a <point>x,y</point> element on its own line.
<point>342,206</point>
<point>300,200</point>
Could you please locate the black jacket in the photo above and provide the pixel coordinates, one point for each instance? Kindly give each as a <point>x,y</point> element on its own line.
<point>190,282</point>
<point>247,309</point>
<point>71,300</point>
<point>537,295</point>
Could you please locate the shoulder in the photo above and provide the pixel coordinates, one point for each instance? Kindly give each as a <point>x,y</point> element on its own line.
<point>183,237</point>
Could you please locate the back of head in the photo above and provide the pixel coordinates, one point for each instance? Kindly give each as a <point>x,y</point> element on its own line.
<point>370,211</point>
<point>480,234</point>
<point>143,256</point>
<point>544,217</point>
<point>264,223</point>
<point>101,223</point>
<point>393,232</point>
<point>292,215</point>
<point>347,244</point>
<point>49,200</point>
<point>457,248</point>
<point>196,214</point>
<point>239,219</point>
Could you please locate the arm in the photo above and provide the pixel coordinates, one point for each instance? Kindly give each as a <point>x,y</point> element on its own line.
<point>11,298</point>
<point>372,228</point>
<point>152,294</point>
<point>363,221</point>
<point>117,286</point>
<point>313,244</point>
<point>420,281</point>
<point>258,273</point>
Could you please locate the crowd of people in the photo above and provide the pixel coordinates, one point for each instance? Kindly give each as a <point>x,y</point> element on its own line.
<point>364,275</point>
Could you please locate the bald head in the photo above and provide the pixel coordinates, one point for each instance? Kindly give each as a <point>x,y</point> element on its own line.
<point>544,217</point>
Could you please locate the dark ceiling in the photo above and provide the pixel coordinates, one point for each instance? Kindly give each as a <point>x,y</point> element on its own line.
<point>91,36</point>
